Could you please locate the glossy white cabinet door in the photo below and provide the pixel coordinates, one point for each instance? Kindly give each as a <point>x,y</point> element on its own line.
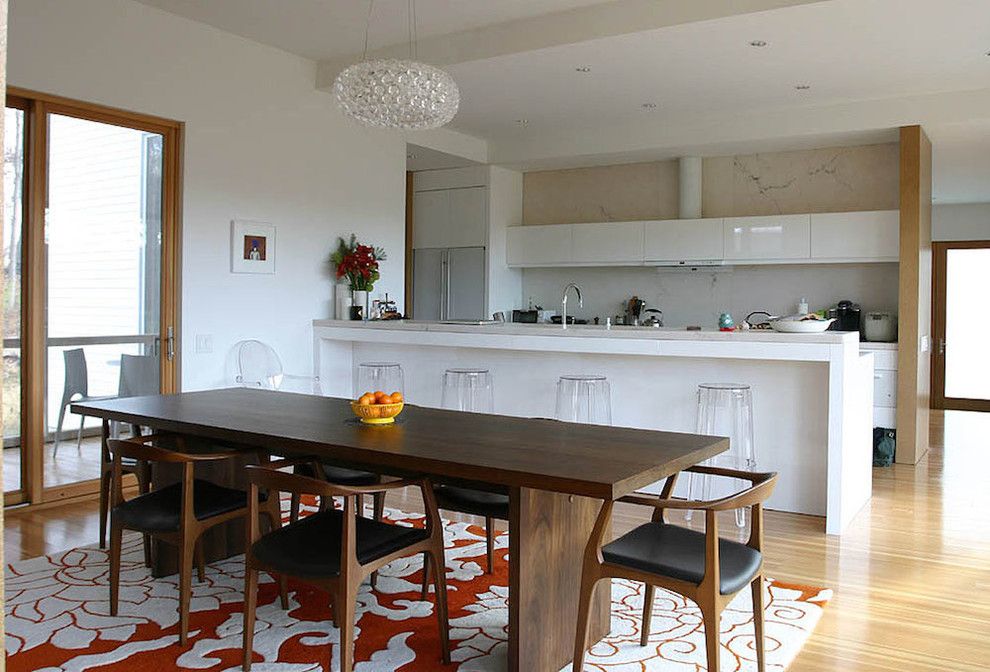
<point>873,235</point>
<point>673,240</point>
<point>468,217</point>
<point>607,243</point>
<point>767,239</point>
<point>547,245</point>
<point>431,218</point>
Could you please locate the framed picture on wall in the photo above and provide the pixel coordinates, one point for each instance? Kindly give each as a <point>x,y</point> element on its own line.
<point>252,247</point>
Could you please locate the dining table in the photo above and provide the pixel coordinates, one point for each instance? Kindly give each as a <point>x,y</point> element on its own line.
<point>557,476</point>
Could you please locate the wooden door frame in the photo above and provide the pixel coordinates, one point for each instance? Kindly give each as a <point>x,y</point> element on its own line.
<point>939,261</point>
<point>34,270</point>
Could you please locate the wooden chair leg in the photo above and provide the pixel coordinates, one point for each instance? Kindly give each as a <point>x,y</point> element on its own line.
<point>379,505</point>
<point>116,537</point>
<point>648,595</point>
<point>757,587</point>
<point>294,508</point>
<point>200,562</point>
<point>185,587</point>
<point>250,603</point>
<point>490,543</point>
<point>333,610</point>
<point>711,617</point>
<point>425,593</point>
<point>440,585</point>
<point>105,480</point>
<point>583,620</point>
<point>283,591</point>
<point>347,605</point>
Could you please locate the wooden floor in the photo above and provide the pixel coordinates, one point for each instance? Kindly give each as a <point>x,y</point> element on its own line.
<point>909,576</point>
<point>72,464</point>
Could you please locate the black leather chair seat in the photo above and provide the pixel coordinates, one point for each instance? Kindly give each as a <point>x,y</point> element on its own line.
<point>473,502</point>
<point>310,548</point>
<point>344,476</point>
<point>159,510</point>
<point>679,553</point>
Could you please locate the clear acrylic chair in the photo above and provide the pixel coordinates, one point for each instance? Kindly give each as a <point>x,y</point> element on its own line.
<point>725,409</point>
<point>469,390</point>
<point>259,366</point>
<point>384,377</point>
<point>584,398</point>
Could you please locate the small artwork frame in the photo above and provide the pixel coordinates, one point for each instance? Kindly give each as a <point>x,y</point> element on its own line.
<point>252,247</point>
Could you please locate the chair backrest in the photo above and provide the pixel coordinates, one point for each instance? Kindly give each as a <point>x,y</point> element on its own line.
<point>76,375</point>
<point>138,376</point>
<point>258,365</point>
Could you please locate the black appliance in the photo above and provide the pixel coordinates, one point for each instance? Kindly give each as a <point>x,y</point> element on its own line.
<point>525,316</point>
<point>847,316</point>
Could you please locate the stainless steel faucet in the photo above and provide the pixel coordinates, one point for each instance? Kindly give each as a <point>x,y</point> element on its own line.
<point>563,303</point>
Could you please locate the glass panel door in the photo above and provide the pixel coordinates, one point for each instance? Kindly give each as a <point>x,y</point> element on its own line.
<point>967,323</point>
<point>14,169</point>
<point>103,246</point>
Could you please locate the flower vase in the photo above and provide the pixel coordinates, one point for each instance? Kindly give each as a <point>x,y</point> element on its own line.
<point>342,301</point>
<point>360,298</point>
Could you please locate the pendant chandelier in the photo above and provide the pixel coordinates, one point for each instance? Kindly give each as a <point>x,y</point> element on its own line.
<point>393,93</point>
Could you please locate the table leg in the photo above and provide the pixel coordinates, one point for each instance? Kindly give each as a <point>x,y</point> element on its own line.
<point>548,533</point>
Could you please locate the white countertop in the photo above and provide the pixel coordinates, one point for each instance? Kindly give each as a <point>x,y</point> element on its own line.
<point>597,332</point>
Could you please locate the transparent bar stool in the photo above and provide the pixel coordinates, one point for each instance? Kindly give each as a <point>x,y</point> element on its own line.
<point>384,376</point>
<point>468,390</point>
<point>586,399</point>
<point>725,409</point>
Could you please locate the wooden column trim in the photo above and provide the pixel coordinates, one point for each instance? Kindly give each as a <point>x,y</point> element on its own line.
<point>914,296</point>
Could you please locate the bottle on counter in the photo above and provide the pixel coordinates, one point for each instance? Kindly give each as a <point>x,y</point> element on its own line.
<point>803,306</point>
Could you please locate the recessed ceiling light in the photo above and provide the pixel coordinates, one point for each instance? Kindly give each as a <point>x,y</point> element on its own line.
<point>757,43</point>
<point>649,106</point>
<point>583,68</point>
<point>802,87</point>
<point>522,122</point>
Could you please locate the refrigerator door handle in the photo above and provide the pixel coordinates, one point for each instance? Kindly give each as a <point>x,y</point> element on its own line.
<point>443,285</point>
<point>446,284</point>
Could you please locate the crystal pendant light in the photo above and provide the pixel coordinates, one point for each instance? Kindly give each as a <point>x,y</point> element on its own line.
<point>391,93</point>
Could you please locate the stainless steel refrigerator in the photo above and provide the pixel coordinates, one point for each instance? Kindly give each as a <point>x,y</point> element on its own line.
<point>449,283</point>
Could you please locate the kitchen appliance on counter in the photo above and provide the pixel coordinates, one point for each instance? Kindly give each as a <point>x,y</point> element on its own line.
<point>449,283</point>
<point>633,309</point>
<point>847,316</point>
<point>525,316</point>
<point>880,327</point>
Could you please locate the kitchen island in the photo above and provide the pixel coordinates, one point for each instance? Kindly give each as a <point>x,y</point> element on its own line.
<point>812,393</point>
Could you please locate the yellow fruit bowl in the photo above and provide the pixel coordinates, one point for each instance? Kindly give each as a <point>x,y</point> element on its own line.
<point>376,414</point>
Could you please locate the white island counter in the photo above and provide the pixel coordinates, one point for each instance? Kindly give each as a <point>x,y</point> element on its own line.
<point>812,393</point>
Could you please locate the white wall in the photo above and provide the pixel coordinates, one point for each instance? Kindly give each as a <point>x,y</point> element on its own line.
<point>698,297</point>
<point>962,221</point>
<point>261,143</point>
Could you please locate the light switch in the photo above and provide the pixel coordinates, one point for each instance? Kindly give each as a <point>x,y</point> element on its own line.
<point>926,343</point>
<point>204,343</point>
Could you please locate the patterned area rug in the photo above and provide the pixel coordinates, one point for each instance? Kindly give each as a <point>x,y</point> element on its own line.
<point>57,619</point>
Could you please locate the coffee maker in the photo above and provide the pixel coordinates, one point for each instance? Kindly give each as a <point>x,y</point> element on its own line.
<point>847,316</point>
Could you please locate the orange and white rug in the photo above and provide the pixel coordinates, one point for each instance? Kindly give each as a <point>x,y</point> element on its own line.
<point>57,619</point>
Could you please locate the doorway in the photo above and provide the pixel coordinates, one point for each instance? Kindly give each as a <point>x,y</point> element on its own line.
<point>961,317</point>
<point>90,269</point>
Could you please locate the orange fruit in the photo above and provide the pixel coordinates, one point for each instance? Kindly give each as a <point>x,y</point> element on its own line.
<point>397,397</point>
<point>366,400</point>
<point>378,396</point>
<point>385,399</point>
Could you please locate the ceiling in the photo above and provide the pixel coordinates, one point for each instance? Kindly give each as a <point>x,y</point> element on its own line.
<point>329,29</point>
<point>688,72</point>
<point>425,158</point>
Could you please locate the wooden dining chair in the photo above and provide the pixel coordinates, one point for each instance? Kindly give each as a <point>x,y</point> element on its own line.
<point>343,476</point>
<point>490,505</point>
<point>698,565</point>
<point>334,550</point>
<point>177,514</point>
<point>140,469</point>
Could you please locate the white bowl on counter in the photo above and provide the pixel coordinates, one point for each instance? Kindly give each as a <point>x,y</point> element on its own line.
<point>793,326</point>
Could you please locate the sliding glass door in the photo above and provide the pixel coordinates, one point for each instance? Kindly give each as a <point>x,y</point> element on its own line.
<point>99,279</point>
<point>961,365</point>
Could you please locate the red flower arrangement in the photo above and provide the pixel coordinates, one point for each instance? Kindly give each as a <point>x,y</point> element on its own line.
<point>358,263</point>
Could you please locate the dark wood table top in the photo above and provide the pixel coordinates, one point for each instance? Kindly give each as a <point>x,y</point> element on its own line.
<point>502,451</point>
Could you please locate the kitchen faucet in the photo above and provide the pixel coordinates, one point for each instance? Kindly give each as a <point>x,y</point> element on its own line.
<point>563,303</point>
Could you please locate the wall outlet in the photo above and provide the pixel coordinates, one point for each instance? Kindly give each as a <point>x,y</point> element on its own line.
<point>204,343</point>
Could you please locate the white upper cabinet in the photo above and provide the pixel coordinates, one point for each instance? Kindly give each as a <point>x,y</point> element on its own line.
<point>774,238</point>
<point>468,217</point>
<point>450,218</point>
<point>608,243</point>
<point>547,245</point>
<point>676,240</point>
<point>869,236</point>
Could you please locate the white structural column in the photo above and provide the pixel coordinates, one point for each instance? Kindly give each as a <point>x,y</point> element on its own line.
<point>690,187</point>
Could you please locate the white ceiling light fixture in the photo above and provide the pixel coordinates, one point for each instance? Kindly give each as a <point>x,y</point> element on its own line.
<point>392,93</point>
